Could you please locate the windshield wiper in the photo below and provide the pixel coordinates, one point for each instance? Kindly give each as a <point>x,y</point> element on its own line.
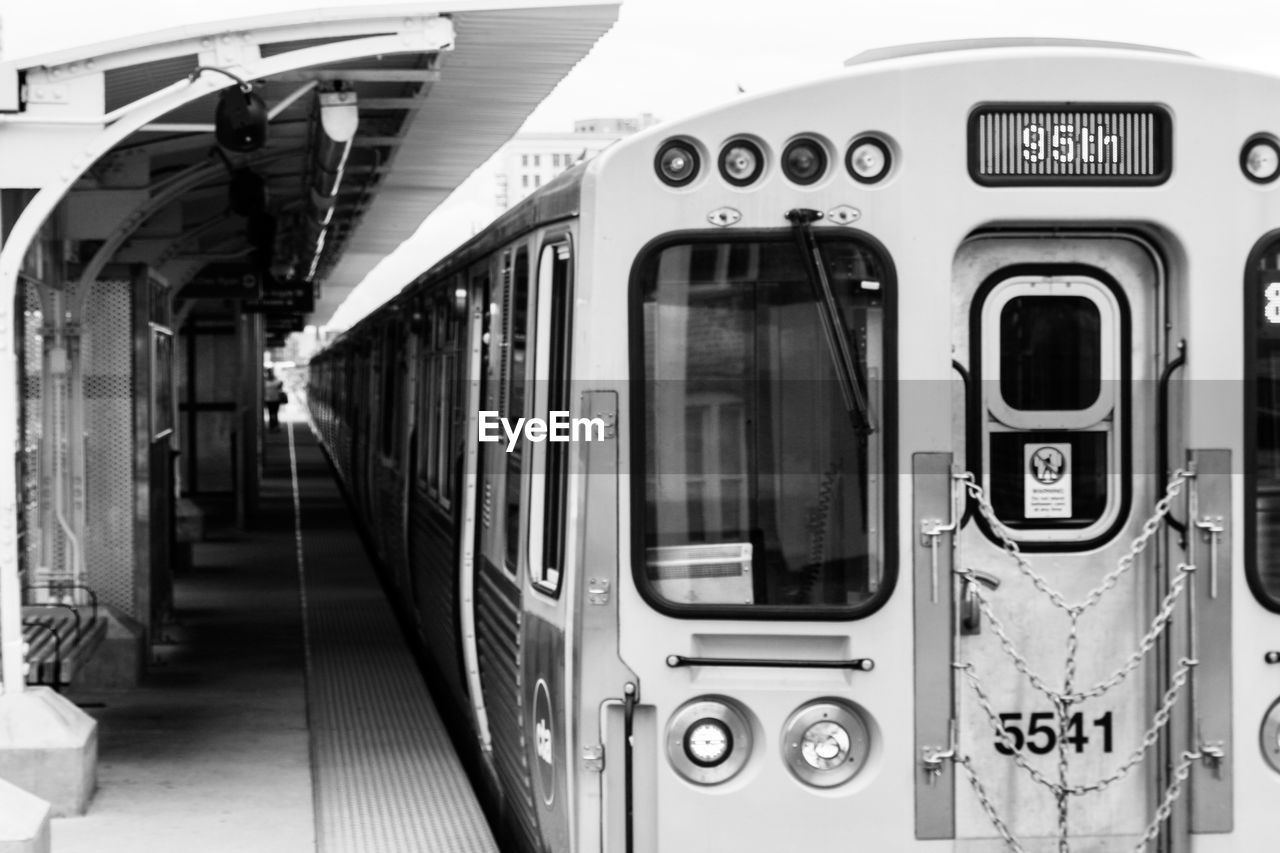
<point>831,318</point>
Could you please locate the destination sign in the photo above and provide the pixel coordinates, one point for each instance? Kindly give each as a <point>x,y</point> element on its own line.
<point>1063,144</point>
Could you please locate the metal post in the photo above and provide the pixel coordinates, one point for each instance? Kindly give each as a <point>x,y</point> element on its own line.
<point>11,645</point>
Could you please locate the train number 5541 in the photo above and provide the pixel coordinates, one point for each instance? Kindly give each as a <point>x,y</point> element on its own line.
<point>1041,734</point>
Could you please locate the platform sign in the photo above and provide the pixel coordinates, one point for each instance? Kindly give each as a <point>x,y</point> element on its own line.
<point>1046,491</point>
<point>285,323</point>
<point>224,281</point>
<point>299,297</point>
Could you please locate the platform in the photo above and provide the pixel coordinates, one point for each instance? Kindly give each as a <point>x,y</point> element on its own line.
<point>284,711</point>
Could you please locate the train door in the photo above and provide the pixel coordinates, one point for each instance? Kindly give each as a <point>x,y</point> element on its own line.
<point>499,571</point>
<point>1058,670</point>
<point>546,608</point>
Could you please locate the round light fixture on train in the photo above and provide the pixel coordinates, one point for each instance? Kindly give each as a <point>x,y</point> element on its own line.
<point>677,162</point>
<point>741,162</point>
<point>708,740</point>
<point>825,743</point>
<point>1260,159</point>
<point>868,160</point>
<point>804,161</point>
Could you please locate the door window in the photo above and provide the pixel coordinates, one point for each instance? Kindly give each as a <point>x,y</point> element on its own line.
<point>1051,412</point>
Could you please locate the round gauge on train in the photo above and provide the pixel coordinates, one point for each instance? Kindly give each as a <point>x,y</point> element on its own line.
<point>708,742</point>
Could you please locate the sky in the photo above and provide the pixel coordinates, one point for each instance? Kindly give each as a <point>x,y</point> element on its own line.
<point>676,57</point>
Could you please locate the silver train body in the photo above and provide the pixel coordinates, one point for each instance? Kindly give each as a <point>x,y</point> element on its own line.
<point>908,472</point>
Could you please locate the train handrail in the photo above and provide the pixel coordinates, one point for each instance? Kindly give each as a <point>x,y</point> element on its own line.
<point>857,664</point>
<point>1162,452</point>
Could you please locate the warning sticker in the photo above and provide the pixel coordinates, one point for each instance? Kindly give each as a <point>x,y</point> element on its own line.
<point>1046,491</point>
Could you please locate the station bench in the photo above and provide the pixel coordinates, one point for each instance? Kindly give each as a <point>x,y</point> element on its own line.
<point>60,636</point>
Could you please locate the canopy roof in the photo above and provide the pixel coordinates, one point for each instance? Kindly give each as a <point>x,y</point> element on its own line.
<point>439,86</point>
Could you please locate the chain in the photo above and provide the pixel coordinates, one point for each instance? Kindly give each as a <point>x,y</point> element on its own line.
<point>1158,624</point>
<point>1149,529</point>
<point>1065,698</point>
<point>1180,775</point>
<point>989,806</point>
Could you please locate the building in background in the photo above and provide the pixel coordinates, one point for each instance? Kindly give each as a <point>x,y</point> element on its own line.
<point>527,162</point>
<point>530,160</point>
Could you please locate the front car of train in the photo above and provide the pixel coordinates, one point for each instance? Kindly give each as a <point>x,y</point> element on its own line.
<point>942,377</point>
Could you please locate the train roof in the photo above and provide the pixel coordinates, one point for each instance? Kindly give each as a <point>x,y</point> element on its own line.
<point>561,198</point>
<point>881,54</point>
<point>558,200</point>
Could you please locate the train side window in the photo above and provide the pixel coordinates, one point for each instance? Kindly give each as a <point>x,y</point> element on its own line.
<point>1050,416</point>
<point>439,383</point>
<point>427,394</point>
<point>517,337</point>
<point>553,392</point>
<point>1262,424</point>
<point>392,369</point>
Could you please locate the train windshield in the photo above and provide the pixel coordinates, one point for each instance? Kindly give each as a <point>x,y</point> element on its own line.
<point>760,490</point>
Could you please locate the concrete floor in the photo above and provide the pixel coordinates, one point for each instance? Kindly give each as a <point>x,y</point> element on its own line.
<point>212,752</point>
<point>251,734</point>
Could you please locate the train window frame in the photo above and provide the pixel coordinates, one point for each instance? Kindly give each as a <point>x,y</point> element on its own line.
<point>1019,286</point>
<point>986,396</point>
<point>391,393</point>
<point>440,387</point>
<point>882,462</point>
<point>519,294</point>
<point>553,353</point>
<point>1261,268</point>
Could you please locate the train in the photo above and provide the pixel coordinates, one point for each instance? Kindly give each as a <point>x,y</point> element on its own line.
<point>890,462</point>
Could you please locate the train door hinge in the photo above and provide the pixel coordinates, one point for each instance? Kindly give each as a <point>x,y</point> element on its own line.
<point>593,758</point>
<point>598,591</point>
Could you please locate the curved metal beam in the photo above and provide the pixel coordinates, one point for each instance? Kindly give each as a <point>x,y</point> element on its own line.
<point>414,35</point>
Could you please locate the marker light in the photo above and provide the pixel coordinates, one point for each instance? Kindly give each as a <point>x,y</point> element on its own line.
<point>1260,159</point>
<point>677,162</point>
<point>804,161</point>
<point>741,162</point>
<point>868,160</point>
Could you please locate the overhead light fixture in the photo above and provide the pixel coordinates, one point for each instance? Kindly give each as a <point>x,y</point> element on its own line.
<point>339,119</point>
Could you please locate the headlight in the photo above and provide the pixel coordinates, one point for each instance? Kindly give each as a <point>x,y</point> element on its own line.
<point>825,743</point>
<point>708,740</point>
